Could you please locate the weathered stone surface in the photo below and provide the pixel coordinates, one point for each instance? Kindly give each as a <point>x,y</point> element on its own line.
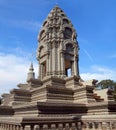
<point>57,100</point>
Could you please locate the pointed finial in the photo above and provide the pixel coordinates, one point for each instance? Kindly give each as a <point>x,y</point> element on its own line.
<point>31,56</point>
<point>31,74</point>
<point>31,67</point>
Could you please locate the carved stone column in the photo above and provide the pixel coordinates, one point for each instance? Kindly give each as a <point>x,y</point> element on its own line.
<point>50,61</point>
<point>73,126</point>
<point>53,58</point>
<point>45,127</point>
<point>22,127</point>
<point>8,127</point>
<point>79,126</point>
<point>93,125</point>
<point>60,126</point>
<point>53,127</point>
<point>17,127</point>
<point>104,126</point>
<point>67,126</point>
<point>62,64</point>
<point>113,125</point>
<point>75,65</point>
<point>100,126</point>
<point>2,126</point>
<point>37,127</point>
<point>72,68</point>
<point>13,127</point>
<point>108,126</point>
<point>47,65</point>
<point>85,126</point>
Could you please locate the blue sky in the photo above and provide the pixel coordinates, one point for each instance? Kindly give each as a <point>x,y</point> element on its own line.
<point>21,20</point>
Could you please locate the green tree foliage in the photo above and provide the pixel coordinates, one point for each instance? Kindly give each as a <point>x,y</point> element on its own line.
<point>108,83</point>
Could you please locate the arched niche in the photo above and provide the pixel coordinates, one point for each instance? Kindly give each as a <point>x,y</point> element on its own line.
<point>67,33</point>
<point>42,35</point>
<point>45,23</point>
<point>63,15</point>
<point>65,21</point>
<point>69,47</point>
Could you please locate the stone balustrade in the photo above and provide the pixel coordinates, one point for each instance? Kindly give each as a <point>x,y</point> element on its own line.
<point>61,126</point>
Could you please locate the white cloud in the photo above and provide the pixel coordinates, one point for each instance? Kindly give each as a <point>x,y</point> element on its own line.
<point>13,70</point>
<point>99,73</point>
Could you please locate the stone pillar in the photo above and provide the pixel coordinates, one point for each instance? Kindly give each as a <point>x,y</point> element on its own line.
<point>93,125</point>
<point>45,127</point>
<point>108,126</point>
<point>17,127</point>
<point>49,62</point>
<point>60,126</point>
<point>14,127</point>
<point>73,126</point>
<point>40,72</point>
<point>53,58</point>
<point>72,68</point>
<point>75,65</point>
<point>59,62</point>
<point>37,127</point>
<point>56,59</point>
<point>112,125</point>
<point>47,65</point>
<point>100,126</point>
<point>8,127</point>
<point>53,127</point>
<point>87,126</point>
<point>3,126</point>
<point>104,126</point>
<point>22,127</point>
<point>67,126</point>
<point>62,64</point>
<point>84,127</point>
<point>79,126</point>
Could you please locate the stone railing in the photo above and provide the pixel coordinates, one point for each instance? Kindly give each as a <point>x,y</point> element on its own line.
<point>61,126</point>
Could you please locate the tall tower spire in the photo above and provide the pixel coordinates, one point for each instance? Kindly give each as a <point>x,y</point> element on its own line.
<point>58,47</point>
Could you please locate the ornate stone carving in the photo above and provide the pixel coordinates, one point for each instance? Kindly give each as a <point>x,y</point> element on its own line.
<point>55,101</point>
<point>55,28</point>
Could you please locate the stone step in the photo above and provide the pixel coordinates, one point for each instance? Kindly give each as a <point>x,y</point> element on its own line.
<point>98,98</point>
